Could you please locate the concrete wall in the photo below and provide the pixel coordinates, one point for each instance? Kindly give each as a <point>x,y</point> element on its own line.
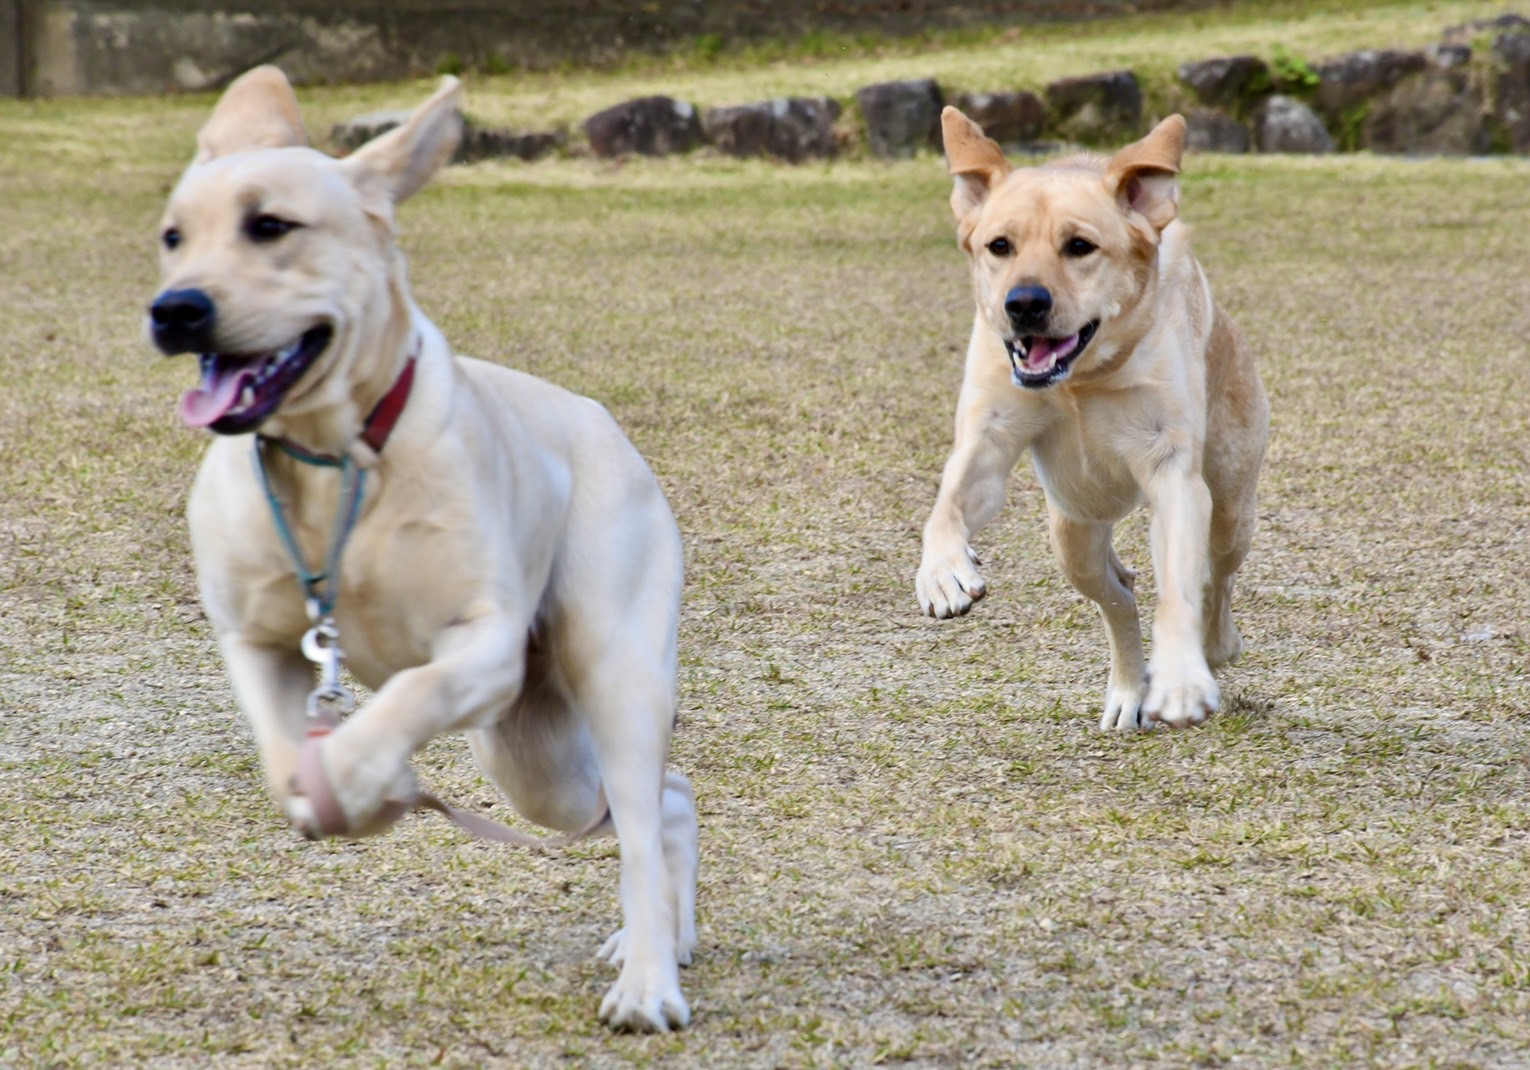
<point>11,37</point>
<point>66,47</point>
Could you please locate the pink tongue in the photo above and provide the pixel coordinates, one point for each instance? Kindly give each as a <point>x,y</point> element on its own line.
<point>1043,350</point>
<point>216,396</point>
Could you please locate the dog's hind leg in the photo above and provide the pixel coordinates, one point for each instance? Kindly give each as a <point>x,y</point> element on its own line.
<point>541,756</point>
<point>1237,434</point>
<point>1091,565</point>
<point>1232,532</point>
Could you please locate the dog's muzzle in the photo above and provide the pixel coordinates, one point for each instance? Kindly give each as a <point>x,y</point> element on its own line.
<point>238,390</point>
<point>1038,361</point>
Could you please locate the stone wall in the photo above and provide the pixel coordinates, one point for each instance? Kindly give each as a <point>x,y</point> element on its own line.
<point>1468,94</point>
<point>66,47</point>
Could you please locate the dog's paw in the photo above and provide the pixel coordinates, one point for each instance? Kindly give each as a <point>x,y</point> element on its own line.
<point>614,950</point>
<point>328,797</point>
<point>948,584</point>
<point>645,1000</point>
<point>1225,647</point>
<point>1181,697</point>
<point>685,947</point>
<point>301,816</point>
<point>1124,709</point>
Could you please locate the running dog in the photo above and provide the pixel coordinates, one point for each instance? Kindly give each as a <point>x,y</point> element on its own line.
<point>1097,346</point>
<point>512,569</point>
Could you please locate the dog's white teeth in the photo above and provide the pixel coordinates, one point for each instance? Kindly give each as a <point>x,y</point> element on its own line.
<point>290,351</point>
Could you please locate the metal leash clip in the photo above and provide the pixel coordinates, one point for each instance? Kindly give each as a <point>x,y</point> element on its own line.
<point>331,700</point>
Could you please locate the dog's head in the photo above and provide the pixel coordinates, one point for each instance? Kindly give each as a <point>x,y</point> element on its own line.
<point>278,262</point>
<point>1061,252</point>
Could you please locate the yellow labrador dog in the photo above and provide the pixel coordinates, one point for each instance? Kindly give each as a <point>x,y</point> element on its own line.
<point>1098,347</point>
<point>512,569</point>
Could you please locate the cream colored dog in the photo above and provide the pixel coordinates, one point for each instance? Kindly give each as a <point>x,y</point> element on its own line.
<point>1097,345</point>
<point>514,571</point>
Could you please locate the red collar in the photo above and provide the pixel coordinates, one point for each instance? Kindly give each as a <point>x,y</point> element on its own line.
<point>378,425</point>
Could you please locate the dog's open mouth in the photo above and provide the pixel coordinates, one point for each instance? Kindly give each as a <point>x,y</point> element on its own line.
<point>240,390</point>
<point>1038,361</point>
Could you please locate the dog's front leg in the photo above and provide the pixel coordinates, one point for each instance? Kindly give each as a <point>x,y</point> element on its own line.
<point>1181,688</point>
<point>1083,550</point>
<point>271,684</point>
<point>477,668</point>
<point>971,494</point>
<point>627,692</point>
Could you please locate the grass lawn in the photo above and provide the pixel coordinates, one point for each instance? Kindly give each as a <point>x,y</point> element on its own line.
<point>917,848</point>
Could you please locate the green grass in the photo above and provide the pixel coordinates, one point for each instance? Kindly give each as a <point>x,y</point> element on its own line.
<point>917,848</point>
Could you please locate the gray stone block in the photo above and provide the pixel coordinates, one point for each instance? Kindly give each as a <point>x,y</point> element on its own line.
<point>1210,130</point>
<point>1348,82</point>
<point>478,142</point>
<point>1284,124</point>
<point>1010,118</point>
<point>901,117</point>
<point>1470,32</point>
<point>1511,103</point>
<point>1231,83</point>
<point>791,128</point>
<point>1447,56</point>
<point>350,135</point>
<point>1439,112</point>
<point>1097,107</point>
<point>490,143</point>
<point>648,126</point>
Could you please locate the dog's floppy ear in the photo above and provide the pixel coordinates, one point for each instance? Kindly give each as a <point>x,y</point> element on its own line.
<point>257,111</point>
<point>974,160</point>
<point>399,163</point>
<point>1143,177</point>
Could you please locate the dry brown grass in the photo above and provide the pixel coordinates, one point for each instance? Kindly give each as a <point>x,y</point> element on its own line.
<point>917,848</point>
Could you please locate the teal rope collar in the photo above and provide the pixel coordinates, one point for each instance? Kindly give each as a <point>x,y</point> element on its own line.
<point>320,589</point>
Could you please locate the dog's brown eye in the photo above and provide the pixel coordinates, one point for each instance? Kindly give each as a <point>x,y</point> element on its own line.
<point>171,238</point>
<point>1000,247</point>
<point>1079,247</point>
<point>266,228</point>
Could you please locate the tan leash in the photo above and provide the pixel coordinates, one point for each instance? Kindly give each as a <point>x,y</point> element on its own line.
<point>314,784</point>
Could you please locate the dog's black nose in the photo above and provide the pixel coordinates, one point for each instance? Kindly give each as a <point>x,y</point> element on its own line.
<point>182,321</point>
<point>1028,306</point>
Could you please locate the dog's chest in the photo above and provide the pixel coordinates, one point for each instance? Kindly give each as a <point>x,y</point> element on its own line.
<point>401,586</point>
<point>374,656</point>
<point>401,583</point>
<point>1083,473</point>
